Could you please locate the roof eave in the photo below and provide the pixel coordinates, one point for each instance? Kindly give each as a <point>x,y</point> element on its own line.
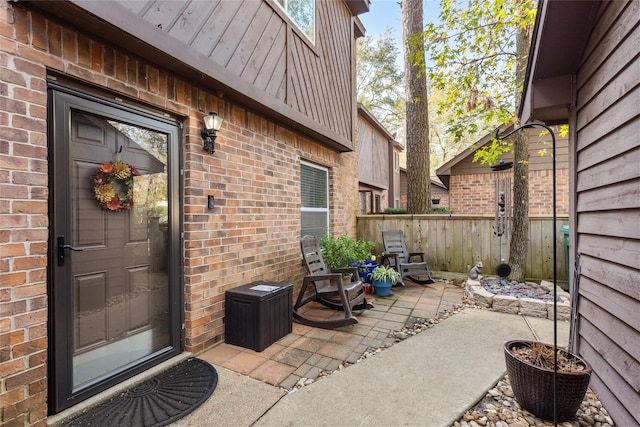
<point>366,114</point>
<point>560,35</point>
<point>357,6</point>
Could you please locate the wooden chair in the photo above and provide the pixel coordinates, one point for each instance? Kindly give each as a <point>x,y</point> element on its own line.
<point>329,288</point>
<point>397,256</point>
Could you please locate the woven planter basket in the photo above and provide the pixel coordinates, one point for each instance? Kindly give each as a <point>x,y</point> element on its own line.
<point>533,386</point>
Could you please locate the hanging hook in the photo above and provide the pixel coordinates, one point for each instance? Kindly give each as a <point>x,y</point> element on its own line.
<point>118,145</point>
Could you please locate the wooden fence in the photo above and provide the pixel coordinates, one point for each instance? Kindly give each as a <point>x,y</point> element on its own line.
<point>451,242</point>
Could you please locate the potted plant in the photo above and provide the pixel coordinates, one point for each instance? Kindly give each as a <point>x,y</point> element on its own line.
<point>365,268</point>
<point>530,365</point>
<point>383,277</point>
<point>345,251</point>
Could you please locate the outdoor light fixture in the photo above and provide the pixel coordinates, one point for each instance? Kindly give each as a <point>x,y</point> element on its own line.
<point>212,124</point>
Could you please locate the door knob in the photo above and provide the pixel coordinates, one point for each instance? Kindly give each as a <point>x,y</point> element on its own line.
<point>61,248</point>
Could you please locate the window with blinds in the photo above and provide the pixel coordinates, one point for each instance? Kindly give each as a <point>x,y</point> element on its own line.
<point>314,207</point>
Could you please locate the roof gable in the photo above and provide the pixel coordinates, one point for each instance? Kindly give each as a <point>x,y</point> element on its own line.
<point>463,164</point>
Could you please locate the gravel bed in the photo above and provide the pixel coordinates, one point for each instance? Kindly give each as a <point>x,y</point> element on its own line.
<point>498,408</point>
<point>518,290</point>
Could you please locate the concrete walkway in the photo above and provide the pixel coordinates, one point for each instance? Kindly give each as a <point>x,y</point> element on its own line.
<point>427,380</point>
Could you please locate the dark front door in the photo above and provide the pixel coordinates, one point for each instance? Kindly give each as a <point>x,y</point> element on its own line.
<point>114,255</point>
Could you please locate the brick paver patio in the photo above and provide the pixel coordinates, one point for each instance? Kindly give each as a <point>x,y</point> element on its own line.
<point>307,351</point>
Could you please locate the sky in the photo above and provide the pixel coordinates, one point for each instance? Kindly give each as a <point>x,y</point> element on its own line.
<point>386,13</point>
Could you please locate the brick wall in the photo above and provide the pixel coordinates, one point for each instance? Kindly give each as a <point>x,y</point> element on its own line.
<point>254,230</point>
<point>475,193</point>
<point>251,234</point>
<point>439,193</point>
<point>541,192</point>
<point>23,228</point>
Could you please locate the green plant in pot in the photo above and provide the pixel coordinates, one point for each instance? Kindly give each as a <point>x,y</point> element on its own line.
<point>345,251</point>
<point>383,277</point>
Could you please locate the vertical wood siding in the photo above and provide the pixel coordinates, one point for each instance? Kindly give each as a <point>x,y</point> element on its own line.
<point>373,156</point>
<point>608,208</point>
<point>321,78</point>
<point>257,42</point>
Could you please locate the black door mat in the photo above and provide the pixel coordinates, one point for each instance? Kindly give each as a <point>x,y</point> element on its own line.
<point>158,401</point>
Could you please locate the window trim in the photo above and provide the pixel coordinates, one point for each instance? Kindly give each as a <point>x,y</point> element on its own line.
<point>308,209</point>
<point>297,27</point>
<point>368,204</point>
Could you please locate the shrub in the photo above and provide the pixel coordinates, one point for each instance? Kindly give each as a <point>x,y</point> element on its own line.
<point>434,210</point>
<point>395,211</point>
<point>339,252</point>
<point>441,210</point>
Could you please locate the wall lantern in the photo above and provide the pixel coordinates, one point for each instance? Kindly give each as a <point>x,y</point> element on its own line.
<point>212,124</point>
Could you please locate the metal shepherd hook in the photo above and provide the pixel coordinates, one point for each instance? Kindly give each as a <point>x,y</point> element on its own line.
<point>555,262</point>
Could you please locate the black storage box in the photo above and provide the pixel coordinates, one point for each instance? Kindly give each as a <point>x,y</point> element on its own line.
<point>258,314</point>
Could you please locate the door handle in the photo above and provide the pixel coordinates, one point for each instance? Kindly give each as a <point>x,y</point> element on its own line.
<point>62,247</point>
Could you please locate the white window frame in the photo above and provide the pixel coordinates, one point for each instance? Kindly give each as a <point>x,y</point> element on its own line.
<point>283,4</point>
<point>304,209</point>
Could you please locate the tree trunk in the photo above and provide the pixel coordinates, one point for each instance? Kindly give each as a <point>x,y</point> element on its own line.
<point>520,230</point>
<point>417,138</point>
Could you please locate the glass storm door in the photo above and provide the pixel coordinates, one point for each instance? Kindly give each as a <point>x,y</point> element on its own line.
<point>114,256</point>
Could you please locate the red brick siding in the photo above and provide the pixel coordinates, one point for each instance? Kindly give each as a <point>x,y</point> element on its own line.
<point>24,222</point>
<point>439,193</point>
<point>251,234</point>
<point>475,193</point>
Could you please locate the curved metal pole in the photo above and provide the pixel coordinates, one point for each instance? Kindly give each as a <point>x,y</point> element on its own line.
<point>555,261</point>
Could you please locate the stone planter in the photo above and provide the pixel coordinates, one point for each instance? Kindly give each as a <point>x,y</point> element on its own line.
<point>524,306</point>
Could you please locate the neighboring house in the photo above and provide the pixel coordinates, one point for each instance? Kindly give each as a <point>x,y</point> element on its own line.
<point>378,165</point>
<point>584,68</point>
<point>87,83</point>
<point>472,185</point>
<point>439,193</point>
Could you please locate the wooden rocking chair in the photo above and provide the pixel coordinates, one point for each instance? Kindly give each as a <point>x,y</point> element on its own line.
<point>329,288</point>
<point>396,256</point>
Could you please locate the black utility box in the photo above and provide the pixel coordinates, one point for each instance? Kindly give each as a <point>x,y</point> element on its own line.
<point>258,314</point>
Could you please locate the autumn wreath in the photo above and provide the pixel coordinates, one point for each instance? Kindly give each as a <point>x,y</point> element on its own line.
<point>113,186</point>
